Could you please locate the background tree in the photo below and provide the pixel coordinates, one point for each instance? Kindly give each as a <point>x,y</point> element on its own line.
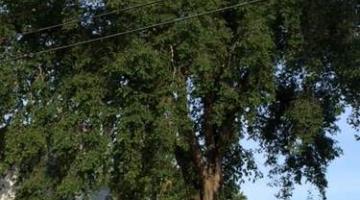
<point>160,114</point>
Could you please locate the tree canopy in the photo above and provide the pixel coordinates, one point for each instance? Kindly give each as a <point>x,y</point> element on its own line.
<point>160,113</point>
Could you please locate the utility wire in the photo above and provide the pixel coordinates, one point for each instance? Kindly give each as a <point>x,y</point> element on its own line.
<point>171,21</point>
<point>95,16</point>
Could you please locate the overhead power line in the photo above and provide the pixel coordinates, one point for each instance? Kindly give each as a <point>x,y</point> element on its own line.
<point>72,21</point>
<point>171,21</point>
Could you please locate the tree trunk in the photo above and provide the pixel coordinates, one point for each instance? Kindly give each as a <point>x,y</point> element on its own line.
<point>210,186</point>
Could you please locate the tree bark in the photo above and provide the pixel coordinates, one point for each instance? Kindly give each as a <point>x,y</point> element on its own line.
<point>210,186</point>
<point>205,163</point>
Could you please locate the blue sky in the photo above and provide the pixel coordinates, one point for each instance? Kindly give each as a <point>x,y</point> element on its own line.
<point>343,173</point>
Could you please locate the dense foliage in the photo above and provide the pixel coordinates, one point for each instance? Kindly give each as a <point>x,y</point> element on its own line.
<point>160,114</point>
